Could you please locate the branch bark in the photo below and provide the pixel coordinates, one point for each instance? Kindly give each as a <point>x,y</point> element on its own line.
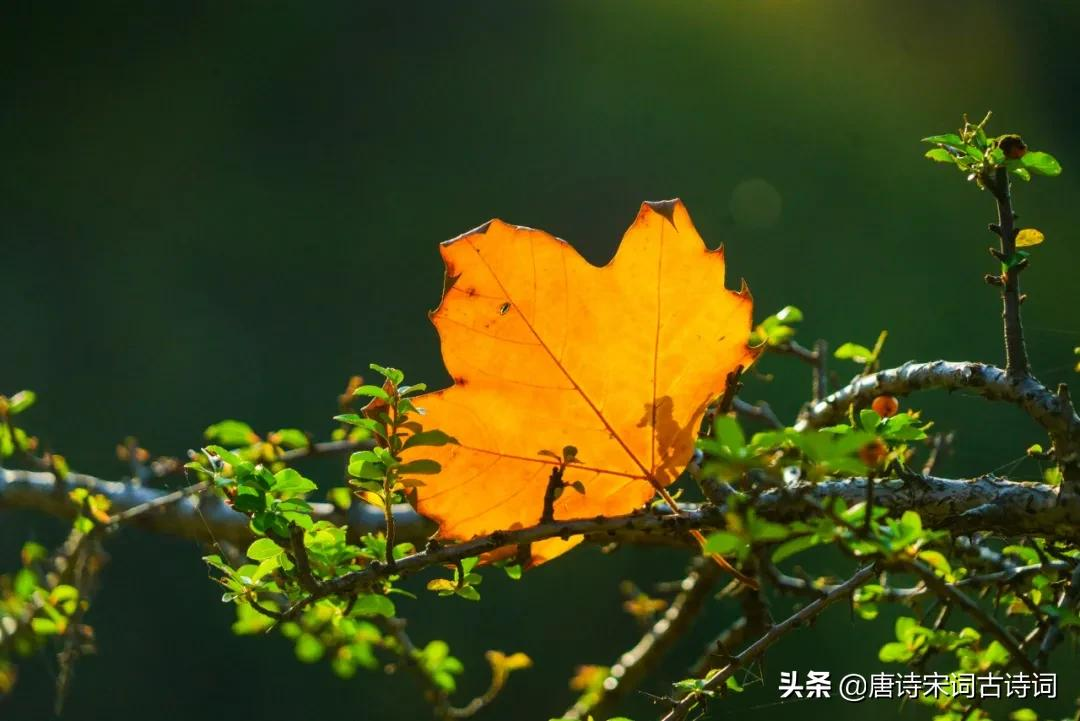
<point>1053,411</point>
<point>1043,406</point>
<point>986,503</point>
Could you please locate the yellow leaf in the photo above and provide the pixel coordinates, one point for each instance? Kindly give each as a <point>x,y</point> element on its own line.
<point>503,663</point>
<point>1028,237</point>
<point>548,351</point>
<point>373,498</point>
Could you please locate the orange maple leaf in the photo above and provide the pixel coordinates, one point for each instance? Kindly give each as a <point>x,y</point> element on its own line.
<point>548,351</point>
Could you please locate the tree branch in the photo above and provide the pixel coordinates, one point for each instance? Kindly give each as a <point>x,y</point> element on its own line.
<point>949,593</point>
<point>1044,407</point>
<point>203,518</point>
<point>637,663</point>
<point>801,617</point>
<point>986,503</point>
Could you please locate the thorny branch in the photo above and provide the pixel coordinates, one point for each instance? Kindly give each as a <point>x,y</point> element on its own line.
<point>801,617</point>
<point>637,663</point>
<point>1016,360</point>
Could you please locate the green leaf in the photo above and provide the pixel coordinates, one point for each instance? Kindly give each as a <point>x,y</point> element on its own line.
<point>250,621</point>
<point>372,391</point>
<point>32,551</point>
<point>895,652</point>
<point>231,433</point>
<point>290,438</point>
<point>722,543</point>
<point>25,583</point>
<point>340,497</point>
<point>1015,259</point>
<point>1041,163</point>
<point>290,481</point>
<point>308,648</point>
<point>393,374</point>
<point>374,605</point>
<point>854,352</point>
<point>869,419</point>
<point>794,546</point>
<point>1021,173</point>
<point>469,593</point>
<point>912,522</point>
<point>44,626</point>
<point>20,402</point>
<point>368,424</point>
<point>728,432</point>
<point>262,549</point>
<point>368,470</point>
<point>940,155</point>
<point>412,390</point>
<point>945,139</point>
<point>789,314</point>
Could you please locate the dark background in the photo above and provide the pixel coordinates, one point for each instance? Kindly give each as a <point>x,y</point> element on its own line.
<point>202,205</point>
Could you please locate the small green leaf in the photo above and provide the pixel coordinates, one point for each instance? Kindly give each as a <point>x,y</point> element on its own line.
<point>393,374</point>
<point>469,593</point>
<point>1041,163</point>
<point>290,481</point>
<point>789,314</point>
<point>340,497</point>
<point>729,433</point>
<point>44,626</point>
<point>25,583</point>
<point>374,605</point>
<point>723,543</point>
<point>290,438</point>
<point>231,433</point>
<point>1021,173</point>
<point>945,139</point>
<point>940,155</point>
<point>262,549</point>
<point>854,352</point>
<point>869,419</point>
<point>372,391</point>
<point>308,648</point>
<point>20,402</point>
<point>793,546</point>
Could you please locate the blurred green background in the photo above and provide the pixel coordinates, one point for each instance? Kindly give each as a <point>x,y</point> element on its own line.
<point>202,204</point>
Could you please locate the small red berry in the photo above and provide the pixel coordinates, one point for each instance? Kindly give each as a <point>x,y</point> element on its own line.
<point>886,406</point>
<point>873,453</point>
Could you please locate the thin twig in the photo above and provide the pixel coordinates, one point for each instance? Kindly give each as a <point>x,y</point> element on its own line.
<point>637,663</point>
<point>951,594</point>
<point>1070,597</point>
<point>801,617</point>
<point>1016,359</point>
<point>759,411</point>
